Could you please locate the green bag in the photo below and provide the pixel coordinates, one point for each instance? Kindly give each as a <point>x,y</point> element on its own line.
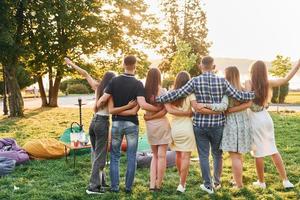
<point>65,137</point>
<point>143,145</point>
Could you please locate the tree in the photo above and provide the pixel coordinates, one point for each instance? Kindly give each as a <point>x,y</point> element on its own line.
<point>280,67</point>
<point>22,76</point>
<point>184,59</point>
<point>11,48</point>
<point>79,29</point>
<point>186,22</point>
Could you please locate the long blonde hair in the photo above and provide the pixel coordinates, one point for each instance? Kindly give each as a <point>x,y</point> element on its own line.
<point>232,75</point>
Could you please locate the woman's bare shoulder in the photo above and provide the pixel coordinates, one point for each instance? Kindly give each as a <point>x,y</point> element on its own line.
<point>248,85</point>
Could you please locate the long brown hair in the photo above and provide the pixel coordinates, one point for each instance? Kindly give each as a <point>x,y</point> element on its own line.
<point>153,81</point>
<point>260,83</point>
<point>232,75</point>
<point>103,84</point>
<point>181,79</point>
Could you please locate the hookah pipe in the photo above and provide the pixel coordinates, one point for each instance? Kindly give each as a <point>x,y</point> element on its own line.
<point>80,113</point>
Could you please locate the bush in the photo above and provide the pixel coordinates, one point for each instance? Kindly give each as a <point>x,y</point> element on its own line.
<point>280,97</point>
<point>65,84</point>
<point>77,89</point>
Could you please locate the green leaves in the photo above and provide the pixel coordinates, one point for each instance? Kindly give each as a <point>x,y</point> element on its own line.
<point>80,29</point>
<point>281,66</point>
<point>186,22</point>
<point>184,59</point>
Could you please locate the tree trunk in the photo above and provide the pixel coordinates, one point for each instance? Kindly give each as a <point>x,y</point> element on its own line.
<point>54,93</point>
<point>5,107</point>
<point>16,104</point>
<point>42,91</point>
<point>50,77</point>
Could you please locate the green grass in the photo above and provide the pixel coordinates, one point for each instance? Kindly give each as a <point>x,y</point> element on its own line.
<point>56,179</point>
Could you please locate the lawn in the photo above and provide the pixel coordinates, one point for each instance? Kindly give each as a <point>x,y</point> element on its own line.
<point>55,179</point>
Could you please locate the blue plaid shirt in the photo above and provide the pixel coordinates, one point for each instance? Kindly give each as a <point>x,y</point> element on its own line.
<point>208,88</point>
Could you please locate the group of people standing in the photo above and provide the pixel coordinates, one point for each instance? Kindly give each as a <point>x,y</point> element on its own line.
<point>208,113</point>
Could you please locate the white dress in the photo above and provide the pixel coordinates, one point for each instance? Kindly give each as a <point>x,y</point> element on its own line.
<point>263,132</point>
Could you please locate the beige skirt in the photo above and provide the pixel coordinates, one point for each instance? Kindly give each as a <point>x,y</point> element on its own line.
<point>183,137</point>
<point>158,131</point>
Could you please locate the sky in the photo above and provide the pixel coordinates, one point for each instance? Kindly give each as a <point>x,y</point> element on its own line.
<point>253,29</point>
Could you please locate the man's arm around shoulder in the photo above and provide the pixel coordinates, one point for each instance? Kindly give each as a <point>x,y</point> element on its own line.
<point>236,94</point>
<point>173,95</point>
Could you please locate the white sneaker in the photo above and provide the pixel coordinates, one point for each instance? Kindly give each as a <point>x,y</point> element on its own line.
<point>209,191</point>
<point>180,188</point>
<point>259,184</point>
<point>287,184</point>
<point>217,186</point>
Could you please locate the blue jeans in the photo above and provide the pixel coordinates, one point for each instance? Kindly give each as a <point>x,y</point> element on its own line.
<point>206,138</point>
<point>131,131</point>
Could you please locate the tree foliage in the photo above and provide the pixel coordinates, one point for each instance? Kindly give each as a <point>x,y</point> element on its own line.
<point>184,59</point>
<point>186,21</point>
<point>280,67</point>
<point>101,31</point>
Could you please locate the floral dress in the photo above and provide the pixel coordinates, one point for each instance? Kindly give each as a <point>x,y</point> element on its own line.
<point>237,134</point>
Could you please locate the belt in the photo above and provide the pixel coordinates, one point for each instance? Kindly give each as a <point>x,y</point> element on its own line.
<point>100,116</point>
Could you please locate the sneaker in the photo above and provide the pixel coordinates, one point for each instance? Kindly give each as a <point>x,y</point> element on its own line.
<point>113,190</point>
<point>208,190</point>
<point>180,188</point>
<point>127,191</point>
<point>99,190</point>
<point>232,182</point>
<point>259,184</point>
<point>217,186</point>
<point>287,184</point>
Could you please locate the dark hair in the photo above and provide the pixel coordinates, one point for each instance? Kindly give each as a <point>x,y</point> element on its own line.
<point>103,84</point>
<point>153,81</point>
<point>207,61</point>
<point>232,75</point>
<point>259,82</point>
<point>181,79</point>
<point>129,62</point>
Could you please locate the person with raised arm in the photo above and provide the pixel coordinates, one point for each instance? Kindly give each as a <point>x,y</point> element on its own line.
<point>122,90</point>
<point>262,123</point>
<point>99,128</point>
<point>208,128</point>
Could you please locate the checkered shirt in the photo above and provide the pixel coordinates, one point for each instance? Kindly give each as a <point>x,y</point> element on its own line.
<point>208,88</point>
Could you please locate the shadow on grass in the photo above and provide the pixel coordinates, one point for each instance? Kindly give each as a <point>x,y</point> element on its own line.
<point>10,123</point>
